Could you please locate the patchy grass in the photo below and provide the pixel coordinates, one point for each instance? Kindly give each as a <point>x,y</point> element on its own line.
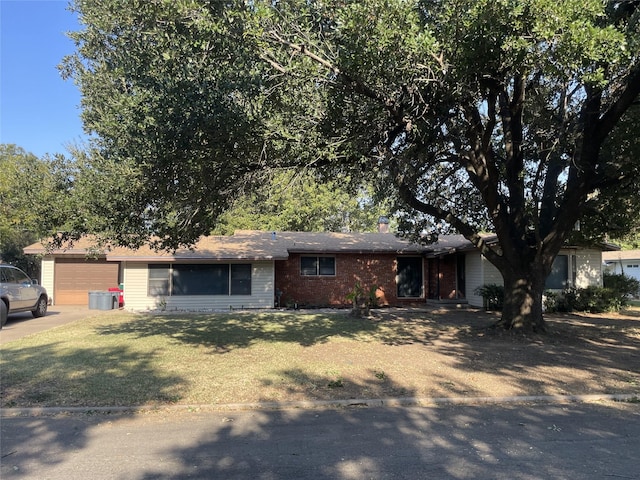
<point>127,359</point>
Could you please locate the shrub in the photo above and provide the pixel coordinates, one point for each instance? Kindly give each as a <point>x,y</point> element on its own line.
<point>595,300</point>
<point>362,300</point>
<point>624,285</point>
<point>551,301</point>
<point>492,295</point>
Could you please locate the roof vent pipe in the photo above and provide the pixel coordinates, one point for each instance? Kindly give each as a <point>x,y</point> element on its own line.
<point>383,225</point>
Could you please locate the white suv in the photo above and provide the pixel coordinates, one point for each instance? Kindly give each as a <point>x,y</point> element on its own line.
<point>19,293</point>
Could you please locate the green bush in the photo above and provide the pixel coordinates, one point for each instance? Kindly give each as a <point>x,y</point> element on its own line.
<point>596,300</point>
<point>551,301</point>
<point>624,285</point>
<point>363,300</point>
<point>492,294</point>
<point>612,297</point>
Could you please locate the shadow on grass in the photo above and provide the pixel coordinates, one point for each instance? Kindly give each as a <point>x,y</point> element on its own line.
<point>58,374</point>
<point>581,354</point>
<point>223,332</point>
<point>299,384</point>
<point>66,375</point>
<point>453,442</point>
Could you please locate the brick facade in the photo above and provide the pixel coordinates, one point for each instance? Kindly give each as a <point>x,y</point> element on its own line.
<point>318,291</point>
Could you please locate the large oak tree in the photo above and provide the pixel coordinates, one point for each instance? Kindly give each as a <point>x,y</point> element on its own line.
<point>474,114</point>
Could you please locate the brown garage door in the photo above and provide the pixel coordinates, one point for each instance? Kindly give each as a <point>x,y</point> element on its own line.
<point>74,278</point>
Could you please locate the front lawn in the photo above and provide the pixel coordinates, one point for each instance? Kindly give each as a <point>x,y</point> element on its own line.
<point>120,359</point>
<point>127,359</point>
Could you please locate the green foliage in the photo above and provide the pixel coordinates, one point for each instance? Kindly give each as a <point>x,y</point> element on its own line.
<point>34,201</point>
<point>611,212</point>
<point>624,285</point>
<point>615,294</point>
<point>629,241</point>
<point>337,383</point>
<point>362,300</point>
<point>594,300</point>
<point>550,302</point>
<point>172,96</point>
<point>196,98</point>
<point>512,116</point>
<point>492,295</point>
<point>293,201</point>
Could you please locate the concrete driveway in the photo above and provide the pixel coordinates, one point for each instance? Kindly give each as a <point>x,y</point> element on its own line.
<point>22,324</point>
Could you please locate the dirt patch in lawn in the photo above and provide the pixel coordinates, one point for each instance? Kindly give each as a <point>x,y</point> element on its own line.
<point>444,353</point>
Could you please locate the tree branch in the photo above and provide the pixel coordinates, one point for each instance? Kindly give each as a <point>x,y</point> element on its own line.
<point>618,108</point>
<point>511,114</point>
<point>357,85</point>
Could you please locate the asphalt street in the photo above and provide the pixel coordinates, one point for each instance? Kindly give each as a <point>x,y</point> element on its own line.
<point>526,441</point>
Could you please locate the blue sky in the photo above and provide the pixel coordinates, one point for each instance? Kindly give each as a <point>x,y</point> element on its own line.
<point>39,111</point>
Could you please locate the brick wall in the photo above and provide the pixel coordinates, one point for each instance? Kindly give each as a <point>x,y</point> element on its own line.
<point>368,269</point>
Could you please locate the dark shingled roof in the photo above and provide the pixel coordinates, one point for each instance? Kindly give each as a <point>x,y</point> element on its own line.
<point>259,245</point>
<point>332,242</point>
<point>246,245</point>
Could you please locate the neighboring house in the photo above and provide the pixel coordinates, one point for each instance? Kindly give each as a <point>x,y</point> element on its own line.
<point>264,269</point>
<point>623,261</point>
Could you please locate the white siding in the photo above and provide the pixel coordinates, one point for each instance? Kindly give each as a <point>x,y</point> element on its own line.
<point>473,274</point>
<point>588,268</point>
<point>479,271</point>
<point>136,298</point>
<point>46,276</point>
<point>491,275</point>
<point>632,269</point>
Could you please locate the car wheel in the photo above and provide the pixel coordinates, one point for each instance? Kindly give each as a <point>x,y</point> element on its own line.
<point>41,307</point>
<point>3,313</point>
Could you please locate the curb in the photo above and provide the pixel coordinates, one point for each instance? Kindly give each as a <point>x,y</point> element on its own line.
<point>326,404</point>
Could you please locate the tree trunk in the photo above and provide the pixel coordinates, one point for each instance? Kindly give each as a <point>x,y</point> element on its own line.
<point>522,308</point>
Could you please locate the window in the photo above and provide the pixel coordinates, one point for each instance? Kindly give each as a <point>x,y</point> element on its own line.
<point>312,266</point>
<point>20,277</point>
<point>409,278</point>
<point>199,279</point>
<point>559,276</point>
<point>13,275</point>
<point>158,280</point>
<point>240,279</point>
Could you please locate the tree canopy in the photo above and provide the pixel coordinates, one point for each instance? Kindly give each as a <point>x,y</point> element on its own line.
<point>301,202</point>
<point>479,115</point>
<point>33,201</point>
